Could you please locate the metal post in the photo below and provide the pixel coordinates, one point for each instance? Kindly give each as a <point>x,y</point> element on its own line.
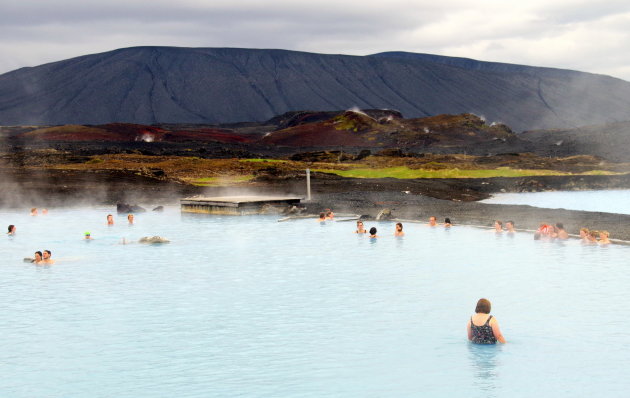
<point>308,184</point>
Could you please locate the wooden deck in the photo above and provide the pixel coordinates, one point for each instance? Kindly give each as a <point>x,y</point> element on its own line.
<point>238,205</point>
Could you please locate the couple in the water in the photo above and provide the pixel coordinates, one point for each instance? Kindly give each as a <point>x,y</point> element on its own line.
<point>43,258</point>
<point>589,237</point>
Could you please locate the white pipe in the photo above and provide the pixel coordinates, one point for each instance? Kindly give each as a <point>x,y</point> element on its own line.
<point>308,184</point>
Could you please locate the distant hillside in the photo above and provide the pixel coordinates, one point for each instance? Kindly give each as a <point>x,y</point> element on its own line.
<point>610,141</point>
<point>150,85</point>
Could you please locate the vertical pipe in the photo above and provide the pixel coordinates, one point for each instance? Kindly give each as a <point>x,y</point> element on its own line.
<point>308,184</point>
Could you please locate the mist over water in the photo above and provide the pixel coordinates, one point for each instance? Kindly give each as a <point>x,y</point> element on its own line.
<point>254,307</point>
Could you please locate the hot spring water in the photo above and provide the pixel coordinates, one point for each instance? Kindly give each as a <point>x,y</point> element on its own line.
<point>247,306</point>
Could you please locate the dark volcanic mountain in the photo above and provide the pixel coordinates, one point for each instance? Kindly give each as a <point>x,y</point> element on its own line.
<point>149,85</point>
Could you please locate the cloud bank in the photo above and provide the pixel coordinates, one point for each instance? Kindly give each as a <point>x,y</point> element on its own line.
<point>572,34</point>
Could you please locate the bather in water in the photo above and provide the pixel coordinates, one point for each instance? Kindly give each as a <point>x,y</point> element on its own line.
<point>482,327</point>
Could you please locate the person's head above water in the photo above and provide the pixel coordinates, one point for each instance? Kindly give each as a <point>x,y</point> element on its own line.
<point>47,254</point>
<point>322,216</point>
<point>34,211</point>
<point>399,226</point>
<point>483,306</point>
<point>432,221</point>
<point>447,220</point>
<point>373,231</point>
<point>38,256</point>
<point>110,219</point>
<point>11,229</point>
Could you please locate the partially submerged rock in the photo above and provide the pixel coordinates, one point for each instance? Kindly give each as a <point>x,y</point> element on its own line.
<point>385,214</point>
<point>127,208</point>
<point>153,239</point>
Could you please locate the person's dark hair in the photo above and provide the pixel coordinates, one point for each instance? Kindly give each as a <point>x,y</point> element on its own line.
<point>11,227</point>
<point>559,225</point>
<point>373,231</point>
<point>40,253</point>
<point>322,215</point>
<point>499,222</point>
<point>483,305</point>
<point>399,223</point>
<point>511,222</point>
<point>447,220</point>
<point>48,251</point>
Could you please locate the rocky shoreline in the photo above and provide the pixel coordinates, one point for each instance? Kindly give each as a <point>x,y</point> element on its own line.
<point>407,199</point>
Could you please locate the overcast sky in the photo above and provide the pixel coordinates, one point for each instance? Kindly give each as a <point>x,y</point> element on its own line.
<point>587,35</point>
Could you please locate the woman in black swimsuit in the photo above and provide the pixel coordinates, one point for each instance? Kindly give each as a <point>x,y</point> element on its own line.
<point>482,327</point>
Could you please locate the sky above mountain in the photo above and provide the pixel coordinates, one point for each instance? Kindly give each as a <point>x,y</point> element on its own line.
<point>573,34</point>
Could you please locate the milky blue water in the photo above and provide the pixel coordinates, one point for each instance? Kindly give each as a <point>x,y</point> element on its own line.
<point>249,307</point>
<point>612,201</point>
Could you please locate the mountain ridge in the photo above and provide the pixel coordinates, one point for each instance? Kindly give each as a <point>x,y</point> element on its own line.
<point>150,85</point>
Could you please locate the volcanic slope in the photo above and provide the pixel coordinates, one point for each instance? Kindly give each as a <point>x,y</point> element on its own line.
<point>149,85</point>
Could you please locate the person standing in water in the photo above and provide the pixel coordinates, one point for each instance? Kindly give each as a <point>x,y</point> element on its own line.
<point>498,226</point>
<point>322,217</point>
<point>360,228</point>
<point>47,259</point>
<point>130,219</point>
<point>509,227</point>
<point>584,232</point>
<point>373,232</point>
<point>447,223</point>
<point>561,232</point>
<point>110,219</point>
<point>38,257</point>
<point>432,221</point>
<point>604,238</point>
<point>11,230</point>
<point>399,230</point>
<point>482,327</point>
<point>34,211</point>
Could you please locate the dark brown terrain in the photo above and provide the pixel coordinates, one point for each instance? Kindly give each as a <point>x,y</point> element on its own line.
<point>158,164</point>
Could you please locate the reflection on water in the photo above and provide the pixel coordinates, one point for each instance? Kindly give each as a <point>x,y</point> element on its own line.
<point>484,360</point>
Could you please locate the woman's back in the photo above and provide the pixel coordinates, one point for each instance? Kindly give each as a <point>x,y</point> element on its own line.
<point>481,330</point>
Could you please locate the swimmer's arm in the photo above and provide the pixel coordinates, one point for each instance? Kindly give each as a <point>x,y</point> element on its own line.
<point>469,330</point>
<point>496,331</point>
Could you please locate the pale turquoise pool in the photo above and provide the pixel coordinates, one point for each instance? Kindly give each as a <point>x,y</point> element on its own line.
<point>610,201</point>
<point>249,307</point>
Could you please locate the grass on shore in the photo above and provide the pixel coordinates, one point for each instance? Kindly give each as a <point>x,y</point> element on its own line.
<point>221,181</point>
<point>404,172</point>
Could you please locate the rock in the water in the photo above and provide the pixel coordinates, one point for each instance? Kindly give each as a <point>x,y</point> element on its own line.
<point>153,239</point>
<point>127,208</point>
<point>159,208</point>
<point>385,214</point>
